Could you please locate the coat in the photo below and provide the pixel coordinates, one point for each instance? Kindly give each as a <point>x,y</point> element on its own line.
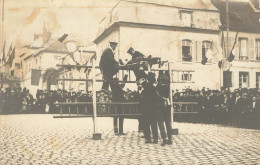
<point>107,63</point>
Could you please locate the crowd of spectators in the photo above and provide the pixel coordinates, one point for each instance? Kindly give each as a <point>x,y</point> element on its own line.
<point>21,101</point>
<point>238,108</point>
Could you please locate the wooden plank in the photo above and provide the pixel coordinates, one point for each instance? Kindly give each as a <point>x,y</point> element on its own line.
<point>100,115</point>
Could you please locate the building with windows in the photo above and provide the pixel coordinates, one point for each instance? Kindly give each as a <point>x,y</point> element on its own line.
<point>178,31</point>
<point>245,23</point>
<point>184,33</point>
<point>40,60</point>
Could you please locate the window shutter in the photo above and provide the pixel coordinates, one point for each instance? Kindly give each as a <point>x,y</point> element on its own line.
<point>251,49</point>
<point>180,53</point>
<point>199,51</point>
<point>237,50</point>
<point>194,50</point>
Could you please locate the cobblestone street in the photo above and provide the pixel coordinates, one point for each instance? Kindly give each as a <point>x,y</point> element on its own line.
<point>40,139</point>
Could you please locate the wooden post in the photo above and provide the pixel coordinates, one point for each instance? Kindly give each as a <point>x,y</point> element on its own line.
<point>96,136</point>
<point>174,130</point>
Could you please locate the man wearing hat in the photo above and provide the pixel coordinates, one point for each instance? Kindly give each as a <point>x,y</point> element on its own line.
<point>164,108</point>
<point>108,64</point>
<point>136,57</point>
<point>148,103</point>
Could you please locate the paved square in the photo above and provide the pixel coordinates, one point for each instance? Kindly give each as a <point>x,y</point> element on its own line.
<point>40,139</point>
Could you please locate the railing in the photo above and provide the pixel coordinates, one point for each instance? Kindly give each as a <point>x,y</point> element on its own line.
<point>114,109</point>
<point>185,107</point>
<point>111,109</point>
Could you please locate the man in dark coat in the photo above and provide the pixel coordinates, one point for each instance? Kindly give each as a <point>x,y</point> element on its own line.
<point>148,103</point>
<point>118,96</point>
<point>255,106</point>
<point>108,65</point>
<point>136,57</point>
<point>164,108</point>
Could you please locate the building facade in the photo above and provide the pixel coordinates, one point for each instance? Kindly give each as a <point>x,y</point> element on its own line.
<point>181,32</point>
<point>245,23</point>
<point>43,55</point>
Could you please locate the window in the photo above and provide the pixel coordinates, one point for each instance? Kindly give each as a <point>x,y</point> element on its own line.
<point>243,79</point>
<point>258,80</point>
<point>257,49</point>
<point>186,50</point>
<point>243,49</point>
<point>186,77</point>
<point>205,46</point>
<point>186,18</point>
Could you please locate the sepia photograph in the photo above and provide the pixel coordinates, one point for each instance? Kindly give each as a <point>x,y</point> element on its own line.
<point>129,82</point>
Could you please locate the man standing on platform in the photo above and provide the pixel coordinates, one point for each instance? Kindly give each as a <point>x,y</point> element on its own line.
<point>108,65</point>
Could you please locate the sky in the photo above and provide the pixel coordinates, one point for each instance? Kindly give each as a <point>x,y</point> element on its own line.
<point>23,18</point>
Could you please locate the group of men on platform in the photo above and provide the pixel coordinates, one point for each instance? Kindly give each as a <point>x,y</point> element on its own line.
<point>154,100</point>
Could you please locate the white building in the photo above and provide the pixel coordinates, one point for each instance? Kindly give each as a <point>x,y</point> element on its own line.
<point>44,55</point>
<point>174,31</point>
<point>244,19</point>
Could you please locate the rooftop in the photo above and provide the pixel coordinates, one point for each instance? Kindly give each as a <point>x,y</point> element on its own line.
<point>242,16</point>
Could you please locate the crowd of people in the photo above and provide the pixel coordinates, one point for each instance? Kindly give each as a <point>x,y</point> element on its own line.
<point>240,108</point>
<point>18,100</point>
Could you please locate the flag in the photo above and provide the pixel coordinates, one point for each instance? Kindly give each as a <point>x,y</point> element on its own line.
<point>62,38</point>
<point>12,73</point>
<point>3,56</point>
<point>231,56</point>
<point>12,56</point>
<point>212,54</point>
<point>2,80</point>
<point>54,78</point>
<point>35,77</point>
<point>9,53</point>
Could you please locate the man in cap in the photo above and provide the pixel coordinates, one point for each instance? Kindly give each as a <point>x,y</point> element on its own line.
<point>108,64</point>
<point>136,57</point>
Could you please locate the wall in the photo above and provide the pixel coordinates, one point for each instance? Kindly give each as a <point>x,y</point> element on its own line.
<point>252,66</point>
<point>44,61</point>
<point>167,44</point>
<point>155,14</point>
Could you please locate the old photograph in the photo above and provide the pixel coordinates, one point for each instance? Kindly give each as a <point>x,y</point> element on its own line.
<point>130,82</point>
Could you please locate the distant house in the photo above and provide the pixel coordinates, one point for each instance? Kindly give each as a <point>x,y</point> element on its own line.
<point>43,55</point>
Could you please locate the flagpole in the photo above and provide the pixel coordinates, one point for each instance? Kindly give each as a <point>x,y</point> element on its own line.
<point>227,23</point>
<point>3,18</point>
<point>2,43</point>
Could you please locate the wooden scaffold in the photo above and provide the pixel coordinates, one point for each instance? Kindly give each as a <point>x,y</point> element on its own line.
<point>129,109</point>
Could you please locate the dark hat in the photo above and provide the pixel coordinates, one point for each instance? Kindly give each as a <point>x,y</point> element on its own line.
<point>113,43</point>
<point>129,50</point>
